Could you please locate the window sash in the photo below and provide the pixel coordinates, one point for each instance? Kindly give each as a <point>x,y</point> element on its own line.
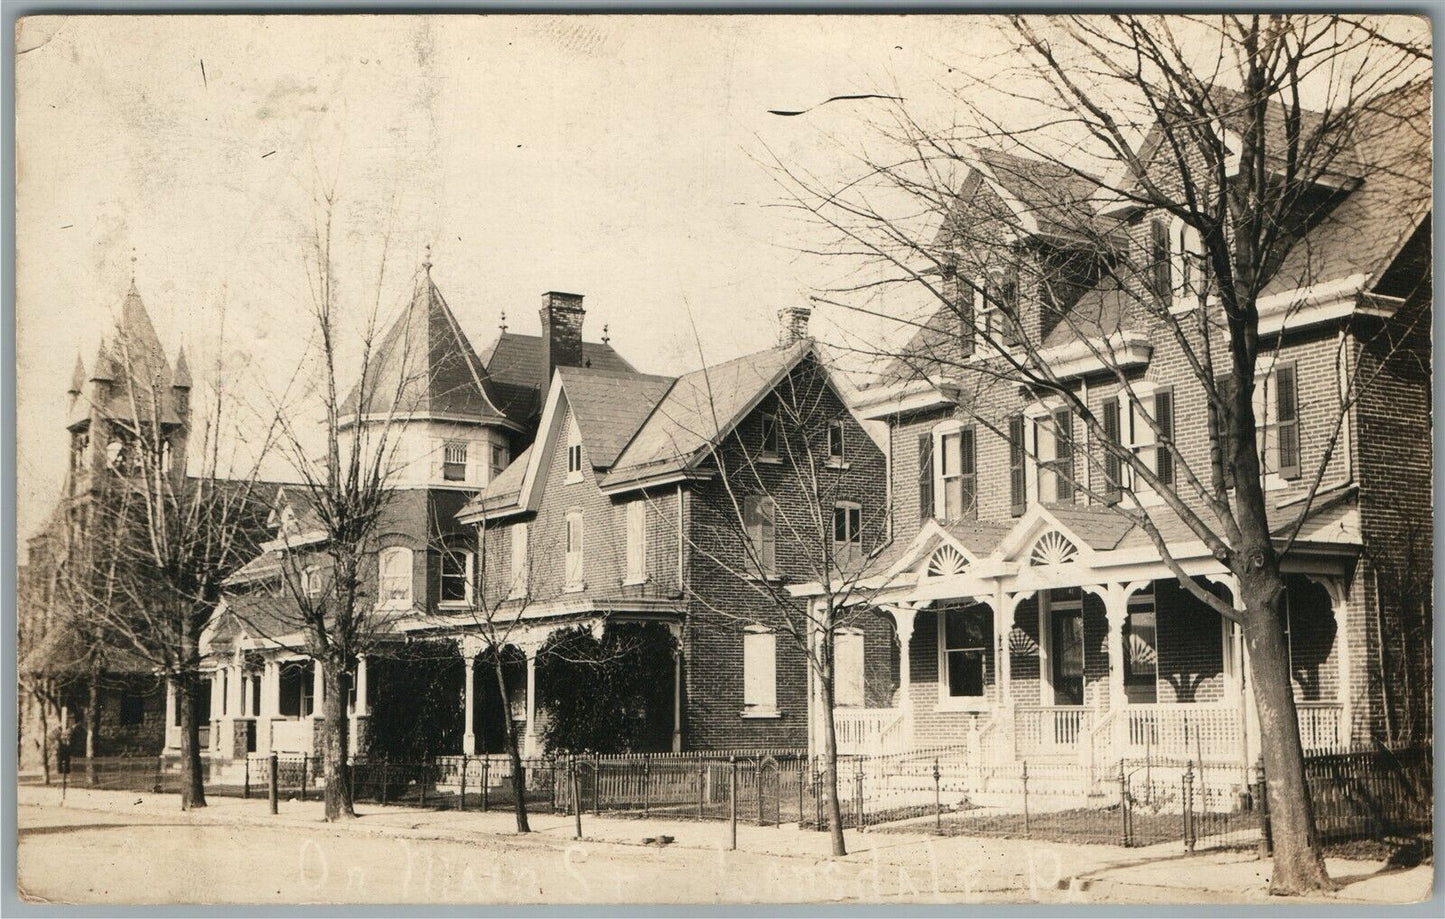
<point>574,458</point>
<point>769,435</point>
<point>574,550</point>
<point>456,571</point>
<point>835,440</point>
<point>965,641</point>
<point>761,522</point>
<point>396,574</point>
<point>847,525</point>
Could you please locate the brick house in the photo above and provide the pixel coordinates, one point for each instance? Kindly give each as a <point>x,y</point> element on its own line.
<point>673,500</point>
<point>453,420</point>
<point>1035,620</point>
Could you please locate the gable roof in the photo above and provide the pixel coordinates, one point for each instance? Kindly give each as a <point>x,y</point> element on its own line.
<point>516,366</point>
<point>700,408</point>
<point>609,407</point>
<point>424,366</point>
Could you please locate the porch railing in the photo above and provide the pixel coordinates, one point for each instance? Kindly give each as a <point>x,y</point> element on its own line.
<point>862,731</point>
<point>1203,731</point>
<point>1320,726</point>
<point>1051,728</point>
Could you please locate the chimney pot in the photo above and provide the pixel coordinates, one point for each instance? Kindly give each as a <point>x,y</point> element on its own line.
<point>793,324</point>
<point>562,316</point>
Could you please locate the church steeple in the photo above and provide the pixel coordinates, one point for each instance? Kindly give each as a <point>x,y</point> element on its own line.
<point>77,377</point>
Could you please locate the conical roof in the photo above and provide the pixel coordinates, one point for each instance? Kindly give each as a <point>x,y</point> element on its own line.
<point>133,365</point>
<point>77,376</point>
<point>424,367</point>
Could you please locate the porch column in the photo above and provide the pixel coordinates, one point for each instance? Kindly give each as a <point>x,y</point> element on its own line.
<point>362,706</point>
<point>903,617</point>
<point>1116,611</point>
<point>318,688</point>
<point>676,697</point>
<point>470,650</point>
<point>170,734</point>
<point>529,738</point>
<point>1339,605</point>
<point>237,693</point>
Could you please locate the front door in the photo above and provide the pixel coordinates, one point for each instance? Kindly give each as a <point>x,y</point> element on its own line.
<point>1067,656</point>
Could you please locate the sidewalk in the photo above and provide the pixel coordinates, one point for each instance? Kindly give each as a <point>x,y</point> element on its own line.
<point>952,868</point>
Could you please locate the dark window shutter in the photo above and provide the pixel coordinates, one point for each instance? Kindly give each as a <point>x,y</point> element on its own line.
<point>1159,255</point>
<point>1287,411</point>
<point>969,472</point>
<point>925,476</point>
<point>1064,456</point>
<point>1164,417</point>
<point>1225,387</point>
<point>1113,468</point>
<point>1018,483</point>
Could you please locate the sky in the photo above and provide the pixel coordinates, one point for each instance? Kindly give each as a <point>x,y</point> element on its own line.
<point>622,158</point>
<point>629,159</point>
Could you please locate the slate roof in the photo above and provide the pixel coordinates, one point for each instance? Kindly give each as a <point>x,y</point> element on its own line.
<point>424,366</point>
<point>516,367</point>
<point>610,406</point>
<point>700,407</point>
<point>504,489</point>
<point>133,362</point>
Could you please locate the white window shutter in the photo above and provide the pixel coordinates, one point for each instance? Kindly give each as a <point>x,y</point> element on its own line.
<point>848,669</point>
<point>760,687</point>
<point>637,541</point>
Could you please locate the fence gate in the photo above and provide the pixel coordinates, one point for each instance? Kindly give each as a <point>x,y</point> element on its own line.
<point>770,791</point>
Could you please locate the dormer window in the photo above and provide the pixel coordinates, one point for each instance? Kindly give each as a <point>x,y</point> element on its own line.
<point>454,461</point>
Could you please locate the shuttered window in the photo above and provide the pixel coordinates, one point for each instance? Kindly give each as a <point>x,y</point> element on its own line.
<point>925,476</point>
<point>521,570</point>
<point>958,474</point>
<point>637,541</point>
<point>1062,466</point>
<point>1018,481</point>
<point>848,673</point>
<point>760,516</point>
<point>574,550</point>
<point>1161,268</point>
<point>760,679</point>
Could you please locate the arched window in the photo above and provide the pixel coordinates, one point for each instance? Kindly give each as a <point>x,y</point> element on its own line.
<point>311,581</point>
<point>396,575</point>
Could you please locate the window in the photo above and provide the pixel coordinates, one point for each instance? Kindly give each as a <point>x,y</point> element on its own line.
<point>521,570</point>
<point>79,444</point>
<point>1161,280</point>
<point>760,667</point>
<point>1054,438</point>
<point>1018,480</point>
<point>574,550</point>
<point>1188,265</point>
<point>925,476</point>
<point>225,681</point>
<point>637,541</point>
<point>311,581</point>
<point>958,480</point>
<point>964,644</point>
<point>848,672</point>
<point>1141,649</point>
<point>761,517</point>
<point>835,442</point>
<point>396,575</point>
<point>847,526</point>
<point>574,453</point>
<point>454,462</point>
<point>1276,415</point>
<point>499,459</point>
<point>769,436</point>
<point>296,686</point>
<point>132,708</point>
<point>456,575</point>
<point>1164,418</point>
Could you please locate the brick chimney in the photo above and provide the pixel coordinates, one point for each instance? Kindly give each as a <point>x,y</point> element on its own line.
<point>793,324</point>
<point>562,330</point>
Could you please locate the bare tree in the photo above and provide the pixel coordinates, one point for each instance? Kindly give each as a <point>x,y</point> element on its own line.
<point>1241,134</point>
<point>790,524</point>
<point>179,510</point>
<point>334,582</point>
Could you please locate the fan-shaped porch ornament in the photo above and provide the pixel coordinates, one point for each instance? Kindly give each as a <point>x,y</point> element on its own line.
<point>1052,549</point>
<point>1021,643</point>
<point>945,562</point>
<point>1141,653</point>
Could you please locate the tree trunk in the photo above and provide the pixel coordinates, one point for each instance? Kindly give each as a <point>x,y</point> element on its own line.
<point>44,735</point>
<point>830,761</point>
<point>334,752</point>
<point>92,720</point>
<point>1299,866</point>
<point>519,777</point>
<point>193,789</point>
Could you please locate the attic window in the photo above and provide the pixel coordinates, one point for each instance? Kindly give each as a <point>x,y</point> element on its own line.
<point>454,462</point>
<point>574,453</point>
<point>769,436</point>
